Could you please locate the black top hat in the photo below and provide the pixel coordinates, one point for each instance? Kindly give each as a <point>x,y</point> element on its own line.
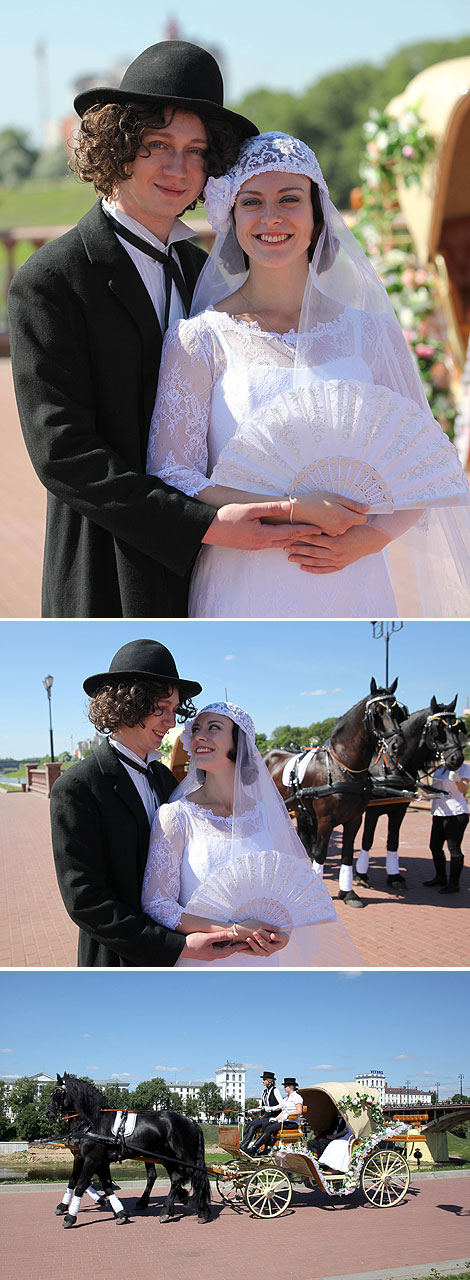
<point>142,660</point>
<point>290,1080</point>
<point>176,72</point>
<point>268,1075</point>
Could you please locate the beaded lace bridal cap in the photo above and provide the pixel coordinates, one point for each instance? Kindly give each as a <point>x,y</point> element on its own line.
<point>269,875</point>
<point>371,436</point>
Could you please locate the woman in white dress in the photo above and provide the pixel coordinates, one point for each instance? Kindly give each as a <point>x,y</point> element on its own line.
<point>225,849</point>
<point>295,380</point>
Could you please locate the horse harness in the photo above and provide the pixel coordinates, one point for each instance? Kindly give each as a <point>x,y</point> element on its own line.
<point>353,786</point>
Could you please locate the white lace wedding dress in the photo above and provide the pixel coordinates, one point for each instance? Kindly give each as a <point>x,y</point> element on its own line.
<point>188,844</point>
<point>216,371</point>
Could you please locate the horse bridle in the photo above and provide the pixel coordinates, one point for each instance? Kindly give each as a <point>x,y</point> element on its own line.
<point>449,721</point>
<point>387,702</point>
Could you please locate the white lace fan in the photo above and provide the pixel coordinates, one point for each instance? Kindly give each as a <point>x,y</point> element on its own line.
<point>273,887</point>
<point>356,439</point>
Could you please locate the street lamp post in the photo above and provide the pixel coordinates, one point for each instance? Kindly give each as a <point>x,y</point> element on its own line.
<point>378,633</point>
<point>48,682</point>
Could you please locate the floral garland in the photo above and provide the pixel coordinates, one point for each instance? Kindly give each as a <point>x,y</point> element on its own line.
<point>362,1148</point>
<point>399,147</point>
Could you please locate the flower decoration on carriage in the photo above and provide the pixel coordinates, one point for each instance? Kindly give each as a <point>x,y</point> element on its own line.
<point>358,1102</point>
<point>268,153</point>
<point>230,709</point>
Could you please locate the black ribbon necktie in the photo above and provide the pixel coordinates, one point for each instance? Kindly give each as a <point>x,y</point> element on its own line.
<point>146,769</point>
<point>171,269</point>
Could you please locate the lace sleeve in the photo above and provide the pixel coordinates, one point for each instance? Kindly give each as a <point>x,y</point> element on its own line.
<point>161,887</point>
<point>177,447</point>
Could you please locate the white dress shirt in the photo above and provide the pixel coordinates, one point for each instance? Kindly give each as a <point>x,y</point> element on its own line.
<point>455,802</point>
<point>151,272</point>
<point>289,1105</point>
<point>141,783</point>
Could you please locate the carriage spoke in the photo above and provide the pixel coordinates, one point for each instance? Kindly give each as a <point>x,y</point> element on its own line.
<point>385,1178</point>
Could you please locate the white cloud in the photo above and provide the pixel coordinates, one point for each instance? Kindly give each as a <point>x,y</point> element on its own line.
<point>323,1066</point>
<point>230,657</point>
<point>399,1056</point>
<point>7,1050</point>
<point>121,1075</point>
<point>348,975</point>
<point>86,1035</point>
<point>313,693</point>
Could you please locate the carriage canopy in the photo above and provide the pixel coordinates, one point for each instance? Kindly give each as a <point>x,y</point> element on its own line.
<point>323,1101</point>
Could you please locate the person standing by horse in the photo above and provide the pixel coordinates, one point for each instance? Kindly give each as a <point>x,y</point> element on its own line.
<point>88,313</point>
<point>103,807</point>
<point>450,816</point>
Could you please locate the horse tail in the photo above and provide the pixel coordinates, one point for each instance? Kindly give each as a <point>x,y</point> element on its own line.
<point>199,1179</point>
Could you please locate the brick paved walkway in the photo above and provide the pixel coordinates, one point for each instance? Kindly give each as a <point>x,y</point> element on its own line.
<point>22,514</point>
<point>316,1238</point>
<point>420,929</point>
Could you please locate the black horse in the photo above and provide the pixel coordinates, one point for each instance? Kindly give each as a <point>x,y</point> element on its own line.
<point>336,784</point>
<point>431,737</point>
<point>176,1141</point>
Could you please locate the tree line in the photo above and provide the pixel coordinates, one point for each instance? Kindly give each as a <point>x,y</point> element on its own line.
<point>29,1120</point>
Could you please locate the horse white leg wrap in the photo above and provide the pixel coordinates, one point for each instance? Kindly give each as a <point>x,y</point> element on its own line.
<point>392,864</point>
<point>90,1191</point>
<point>345,879</point>
<point>362,862</point>
<point>116,1204</point>
<point>318,868</point>
<point>75,1205</point>
<point>67,1196</point>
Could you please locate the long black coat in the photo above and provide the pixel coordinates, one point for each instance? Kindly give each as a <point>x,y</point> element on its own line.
<point>100,838</point>
<point>86,348</point>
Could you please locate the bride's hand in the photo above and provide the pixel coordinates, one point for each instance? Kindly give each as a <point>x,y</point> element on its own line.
<point>324,554</point>
<point>261,938</point>
<point>331,512</point>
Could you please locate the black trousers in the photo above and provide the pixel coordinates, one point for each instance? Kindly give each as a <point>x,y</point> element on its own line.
<point>267,1131</point>
<point>450,830</point>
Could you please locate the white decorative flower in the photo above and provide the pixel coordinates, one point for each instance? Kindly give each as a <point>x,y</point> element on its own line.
<point>218,202</point>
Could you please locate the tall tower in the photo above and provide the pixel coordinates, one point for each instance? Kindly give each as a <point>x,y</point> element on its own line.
<point>230,1081</point>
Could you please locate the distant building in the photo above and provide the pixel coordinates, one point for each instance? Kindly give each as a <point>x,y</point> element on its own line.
<point>393,1096</point>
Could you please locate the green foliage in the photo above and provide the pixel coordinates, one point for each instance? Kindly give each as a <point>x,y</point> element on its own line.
<point>330,113</point>
<point>16,157</point>
<point>231,1109</point>
<point>51,165</point>
<point>150,1093</point>
<point>210,1101</point>
<point>191,1107</point>
<point>117,1097</point>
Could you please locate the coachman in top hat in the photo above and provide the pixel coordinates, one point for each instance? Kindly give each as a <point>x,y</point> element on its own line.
<point>88,313</point>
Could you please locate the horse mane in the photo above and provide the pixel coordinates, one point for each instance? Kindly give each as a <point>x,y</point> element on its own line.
<point>342,719</point>
<point>86,1097</point>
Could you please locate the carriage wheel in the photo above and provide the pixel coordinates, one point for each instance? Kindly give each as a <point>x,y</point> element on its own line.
<point>230,1190</point>
<point>385,1178</point>
<point>268,1193</point>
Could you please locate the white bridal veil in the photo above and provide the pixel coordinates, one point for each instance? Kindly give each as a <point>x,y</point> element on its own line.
<point>372,436</point>
<point>269,875</point>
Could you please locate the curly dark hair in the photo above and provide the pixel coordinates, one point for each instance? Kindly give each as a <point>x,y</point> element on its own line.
<point>115,705</point>
<point>110,138</point>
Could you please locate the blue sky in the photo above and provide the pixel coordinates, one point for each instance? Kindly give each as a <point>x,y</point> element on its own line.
<point>185,1025</point>
<point>281,672</point>
<point>261,45</point>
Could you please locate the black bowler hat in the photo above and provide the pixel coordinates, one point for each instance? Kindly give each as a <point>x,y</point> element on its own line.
<point>142,660</point>
<point>290,1080</point>
<point>176,72</point>
<point>268,1075</point>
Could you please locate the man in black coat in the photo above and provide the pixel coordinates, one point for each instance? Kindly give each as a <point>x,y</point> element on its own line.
<point>102,809</point>
<point>88,312</point>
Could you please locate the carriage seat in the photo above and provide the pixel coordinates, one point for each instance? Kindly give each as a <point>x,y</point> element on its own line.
<point>292,1135</point>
